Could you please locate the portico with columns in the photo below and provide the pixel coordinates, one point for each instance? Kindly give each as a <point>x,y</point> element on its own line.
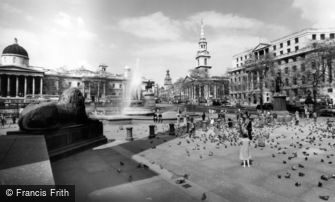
<point>17,79</point>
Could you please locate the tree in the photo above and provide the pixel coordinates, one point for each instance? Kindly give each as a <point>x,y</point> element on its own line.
<point>318,63</point>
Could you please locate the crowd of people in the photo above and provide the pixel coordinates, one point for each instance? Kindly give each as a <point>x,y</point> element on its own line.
<point>7,121</point>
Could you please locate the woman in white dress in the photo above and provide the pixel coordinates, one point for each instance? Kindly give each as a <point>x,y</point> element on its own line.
<point>245,148</point>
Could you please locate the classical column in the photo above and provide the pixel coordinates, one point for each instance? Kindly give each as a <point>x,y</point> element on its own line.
<point>25,86</point>
<point>33,86</point>
<point>215,91</point>
<point>57,86</point>
<point>41,86</point>
<point>17,86</point>
<point>84,88</point>
<point>104,93</point>
<point>98,96</point>
<point>8,85</point>
<point>89,90</point>
<point>258,76</point>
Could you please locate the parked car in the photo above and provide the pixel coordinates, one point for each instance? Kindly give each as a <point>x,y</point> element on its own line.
<point>266,106</point>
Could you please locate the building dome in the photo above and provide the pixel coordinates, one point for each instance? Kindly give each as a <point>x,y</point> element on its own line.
<point>15,55</point>
<point>15,49</point>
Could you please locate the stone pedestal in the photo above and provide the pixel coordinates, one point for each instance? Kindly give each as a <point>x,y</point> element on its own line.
<point>152,131</point>
<point>69,139</point>
<point>279,103</point>
<point>149,99</point>
<point>204,125</point>
<point>129,134</point>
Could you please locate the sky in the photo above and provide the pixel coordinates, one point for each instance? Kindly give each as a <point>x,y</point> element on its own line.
<point>160,34</point>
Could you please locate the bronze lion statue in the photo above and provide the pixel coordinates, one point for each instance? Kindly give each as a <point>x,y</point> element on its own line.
<point>69,110</point>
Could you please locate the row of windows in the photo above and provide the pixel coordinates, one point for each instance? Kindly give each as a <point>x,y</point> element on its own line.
<point>323,36</point>
<point>281,45</point>
<point>78,84</point>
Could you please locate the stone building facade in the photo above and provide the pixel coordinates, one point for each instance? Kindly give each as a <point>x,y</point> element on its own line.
<point>289,54</point>
<point>20,82</point>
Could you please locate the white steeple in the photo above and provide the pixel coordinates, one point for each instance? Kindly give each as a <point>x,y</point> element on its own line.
<point>202,57</point>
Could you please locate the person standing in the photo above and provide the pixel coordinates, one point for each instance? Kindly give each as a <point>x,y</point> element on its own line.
<point>297,118</point>
<point>2,121</point>
<point>315,117</point>
<point>248,125</point>
<point>155,116</point>
<point>160,117</point>
<point>192,128</point>
<point>245,148</point>
<point>203,116</point>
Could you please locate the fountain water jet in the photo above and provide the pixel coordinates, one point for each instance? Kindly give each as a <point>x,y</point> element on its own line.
<point>137,102</point>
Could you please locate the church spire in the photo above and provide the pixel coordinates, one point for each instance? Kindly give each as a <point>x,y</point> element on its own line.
<point>202,33</point>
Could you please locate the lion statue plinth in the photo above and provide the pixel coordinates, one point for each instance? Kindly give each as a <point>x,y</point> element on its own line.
<point>69,110</point>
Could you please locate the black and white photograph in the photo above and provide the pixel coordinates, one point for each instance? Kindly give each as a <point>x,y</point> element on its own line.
<point>167,100</point>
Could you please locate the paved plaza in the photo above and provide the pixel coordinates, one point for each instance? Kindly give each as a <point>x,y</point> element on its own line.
<point>297,164</point>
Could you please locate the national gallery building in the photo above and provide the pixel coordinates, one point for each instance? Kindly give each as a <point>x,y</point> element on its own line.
<point>20,82</point>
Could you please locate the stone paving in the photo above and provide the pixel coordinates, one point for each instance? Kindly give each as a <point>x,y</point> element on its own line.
<point>296,164</point>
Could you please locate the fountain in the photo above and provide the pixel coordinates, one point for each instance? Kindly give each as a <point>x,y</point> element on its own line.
<point>137,101</point>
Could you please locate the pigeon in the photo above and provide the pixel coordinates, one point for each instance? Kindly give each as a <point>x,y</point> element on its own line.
<point>301,174</point>
<point>320,184</point>
<point>323,177</point>
<point>203,197</point>
<point>297,184</point>
<point>130,178</point>
<point>324,198</point>
<point>121,163</point>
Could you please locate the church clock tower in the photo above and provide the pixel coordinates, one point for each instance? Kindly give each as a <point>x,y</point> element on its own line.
<point>202,57</point>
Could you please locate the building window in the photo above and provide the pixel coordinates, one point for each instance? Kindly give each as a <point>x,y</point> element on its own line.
<point>274,54</point>
<point>274,47</point>
<point>113,85</point>
<point>313,36</point>
<point>330,90</point>
<point>245,57</point>
<point>322,36</point>
<point>281,52</point>
<point>294,68</point>
<point>302,67</point>
<point>288,42</point>
<point>70,83</point>
<point>296,40</point>
<point>237,65</point>
<point>78,84</point>
<point>205,61</point>
<point>296,48</point>
<point>236,59</point>
<point>313,65</point>
<point>288,50</point>
<point>332,36</point>
<point>287,83</point>
<point>281,45</point>
<point>286,70</point>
